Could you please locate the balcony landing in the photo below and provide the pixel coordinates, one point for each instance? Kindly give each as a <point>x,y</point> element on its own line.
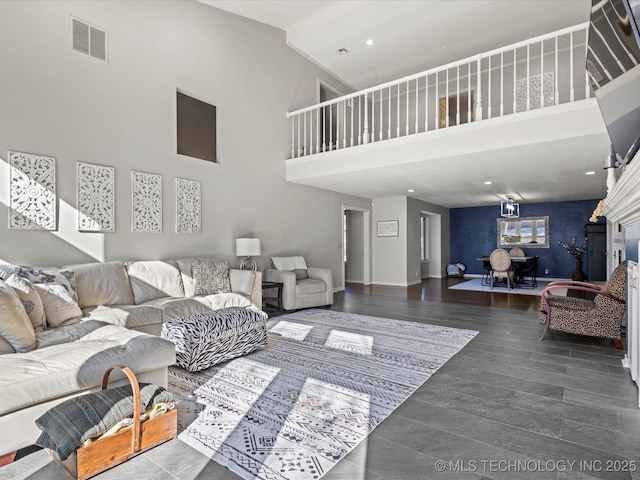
<point>448,166</point>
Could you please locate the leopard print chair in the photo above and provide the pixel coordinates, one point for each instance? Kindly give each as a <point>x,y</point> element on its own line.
<point>600,317</point>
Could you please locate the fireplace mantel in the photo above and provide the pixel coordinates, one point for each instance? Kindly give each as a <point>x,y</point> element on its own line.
<point>622,204</point>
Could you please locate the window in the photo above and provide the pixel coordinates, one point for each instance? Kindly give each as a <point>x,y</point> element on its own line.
<point>196,124</point>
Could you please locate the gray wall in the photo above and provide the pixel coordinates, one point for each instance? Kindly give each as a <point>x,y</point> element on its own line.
<point>121,113</point>
<point>397,259</point>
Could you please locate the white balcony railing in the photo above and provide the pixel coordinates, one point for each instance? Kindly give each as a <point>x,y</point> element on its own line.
<point>540,72</point>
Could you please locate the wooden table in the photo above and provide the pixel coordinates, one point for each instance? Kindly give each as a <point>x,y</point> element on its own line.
<point>272,301</point>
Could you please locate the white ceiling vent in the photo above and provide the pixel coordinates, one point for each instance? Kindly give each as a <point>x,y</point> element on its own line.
<point>89,39</point>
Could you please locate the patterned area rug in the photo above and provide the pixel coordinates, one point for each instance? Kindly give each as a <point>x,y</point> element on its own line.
<point>326,379</point>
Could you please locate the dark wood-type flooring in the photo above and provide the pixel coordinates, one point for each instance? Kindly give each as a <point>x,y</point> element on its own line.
<point>507,406</point>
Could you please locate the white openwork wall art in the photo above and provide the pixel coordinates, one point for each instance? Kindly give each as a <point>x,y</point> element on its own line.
<point>534,92</point>
<point>146,202</point>
<point>32,194</point>
<point>96,198</point>
<point>188,206</point>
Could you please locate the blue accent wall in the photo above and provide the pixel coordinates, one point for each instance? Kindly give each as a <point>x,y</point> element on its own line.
<point>473,234</point>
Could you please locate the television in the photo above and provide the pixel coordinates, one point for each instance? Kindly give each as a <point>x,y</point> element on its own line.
<point>613,68</point>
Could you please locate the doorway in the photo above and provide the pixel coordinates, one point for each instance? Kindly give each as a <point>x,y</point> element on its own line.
<point>596,251</point>
<point>356,245</point>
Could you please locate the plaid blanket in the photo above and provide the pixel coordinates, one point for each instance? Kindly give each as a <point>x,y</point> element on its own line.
<point>66,426</point>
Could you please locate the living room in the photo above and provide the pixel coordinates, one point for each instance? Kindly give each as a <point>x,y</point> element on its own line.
<point>121,113</point>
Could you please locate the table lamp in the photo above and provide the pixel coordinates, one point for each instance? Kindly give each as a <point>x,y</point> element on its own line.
<point>248,247</point>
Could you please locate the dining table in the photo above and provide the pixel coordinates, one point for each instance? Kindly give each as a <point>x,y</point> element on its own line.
<point>520,261</point>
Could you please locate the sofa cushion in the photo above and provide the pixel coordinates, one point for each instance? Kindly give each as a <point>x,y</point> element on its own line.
<point>129,316</point>
<point>226,300</point>
<point>309,285</point>
<point>66,333</point>
<point>15,326</point>
<point>210,277</point>
<point>242,281</point>
<point>30,299</point>
<point>179,307</point>
<point>58,304</point>
<point>151,279</point>
<point>184,264</point>
<point>102,284</point>
<point>60,370</point>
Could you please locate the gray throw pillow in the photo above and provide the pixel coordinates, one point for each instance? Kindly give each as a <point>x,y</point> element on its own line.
<point>301,273</point>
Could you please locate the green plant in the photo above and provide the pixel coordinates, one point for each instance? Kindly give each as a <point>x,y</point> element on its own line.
<point>576,251</point>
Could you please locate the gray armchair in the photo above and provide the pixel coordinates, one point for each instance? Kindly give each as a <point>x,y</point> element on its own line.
<point>302,286</point>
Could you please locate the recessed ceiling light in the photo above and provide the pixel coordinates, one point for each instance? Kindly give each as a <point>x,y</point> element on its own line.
<point>590,173</point>
<point>369,41</point>
<point>411,190</point>
<point>488,182</point>
<point>444,48</point>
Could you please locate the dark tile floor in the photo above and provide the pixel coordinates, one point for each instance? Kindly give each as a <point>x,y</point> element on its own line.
<point>508,406</point>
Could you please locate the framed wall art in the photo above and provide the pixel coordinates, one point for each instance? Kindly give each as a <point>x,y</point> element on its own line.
<point>388,228</point>
<point>188,206</point>
<point>32,192</point>
<point>95,198</point>
<point>146,202</point>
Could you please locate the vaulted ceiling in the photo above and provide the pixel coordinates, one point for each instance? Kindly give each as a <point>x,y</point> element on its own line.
<point>410,36</point>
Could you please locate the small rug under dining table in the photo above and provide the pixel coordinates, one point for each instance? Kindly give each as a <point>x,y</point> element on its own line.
<point>325,380</point>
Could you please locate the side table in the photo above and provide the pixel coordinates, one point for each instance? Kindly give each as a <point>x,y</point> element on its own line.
<point>273,300</point>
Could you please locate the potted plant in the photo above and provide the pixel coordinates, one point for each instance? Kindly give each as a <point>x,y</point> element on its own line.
<point>577,252</point>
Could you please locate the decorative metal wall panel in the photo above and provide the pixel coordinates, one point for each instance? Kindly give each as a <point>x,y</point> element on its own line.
<point>188,206</point>
<point>146,202</point>
<point>534,92</point>
<point>96,198</point>
<point>32,191</point>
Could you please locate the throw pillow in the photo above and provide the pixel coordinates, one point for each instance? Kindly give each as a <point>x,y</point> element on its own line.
<point>301,273</point>
<point>58,304</point>
<point>15,326</point>
<point>53,275</point>
<point>30,299</point>
<point>210,277</point>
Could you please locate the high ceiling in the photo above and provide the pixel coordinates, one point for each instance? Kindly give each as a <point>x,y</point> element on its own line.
<point>410,36</point>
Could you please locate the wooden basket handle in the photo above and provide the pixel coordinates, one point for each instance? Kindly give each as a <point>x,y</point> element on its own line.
<point>135,388</point>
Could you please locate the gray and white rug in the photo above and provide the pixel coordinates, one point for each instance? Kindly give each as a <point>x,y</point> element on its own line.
<point>326,379</point>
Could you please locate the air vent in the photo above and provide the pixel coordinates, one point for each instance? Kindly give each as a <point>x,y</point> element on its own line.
<point>89,39</point>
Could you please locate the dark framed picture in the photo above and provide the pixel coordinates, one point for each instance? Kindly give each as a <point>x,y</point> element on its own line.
<point>388,228</point>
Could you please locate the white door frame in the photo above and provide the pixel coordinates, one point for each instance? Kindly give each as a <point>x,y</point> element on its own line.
<point>366,241</point>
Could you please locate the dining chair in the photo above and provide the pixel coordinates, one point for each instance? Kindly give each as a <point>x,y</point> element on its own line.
<point>501,267</point>
<point>529,268</point>
<point>486,274</point>
<point>517,267</point>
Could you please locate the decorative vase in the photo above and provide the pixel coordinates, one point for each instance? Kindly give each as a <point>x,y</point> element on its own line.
<point>578,276</point>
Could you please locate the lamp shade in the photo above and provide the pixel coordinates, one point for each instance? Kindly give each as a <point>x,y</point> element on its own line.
<point>247,247</point>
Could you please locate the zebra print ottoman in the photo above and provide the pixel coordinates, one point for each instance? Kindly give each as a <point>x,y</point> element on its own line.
<point>206,339</point>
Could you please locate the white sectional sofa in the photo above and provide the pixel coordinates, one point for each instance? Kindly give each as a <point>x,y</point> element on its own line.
<point>121,310</point>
